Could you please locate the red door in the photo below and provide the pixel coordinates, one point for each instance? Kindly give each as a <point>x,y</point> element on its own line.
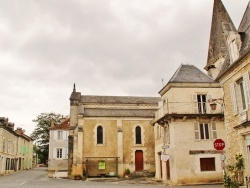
<point>138,160</point>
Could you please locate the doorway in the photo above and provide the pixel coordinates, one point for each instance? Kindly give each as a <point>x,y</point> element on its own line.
<point>138,160</point>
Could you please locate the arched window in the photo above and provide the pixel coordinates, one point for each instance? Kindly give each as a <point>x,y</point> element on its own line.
<point>99,135</point>
<point>138,135</point>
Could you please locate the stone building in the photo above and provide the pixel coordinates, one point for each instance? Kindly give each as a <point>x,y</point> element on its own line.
<point>58,149</point>
<point>110,134</point>
<point>185,129</point>
<point>16,148</point>
<point>229,63</point>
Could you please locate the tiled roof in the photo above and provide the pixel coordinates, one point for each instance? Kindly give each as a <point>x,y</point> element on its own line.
<point>63,126</point>
<point>119,100</point>
<point>190,74</point>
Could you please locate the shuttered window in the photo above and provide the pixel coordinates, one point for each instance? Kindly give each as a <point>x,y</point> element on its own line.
<point>202,131</point>
<point>240,94</point>
<point>200,103</point>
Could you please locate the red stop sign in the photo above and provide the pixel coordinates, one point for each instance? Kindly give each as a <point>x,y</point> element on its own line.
<point>219,144</point>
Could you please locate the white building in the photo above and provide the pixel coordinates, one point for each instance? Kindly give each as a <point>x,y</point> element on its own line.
<point>58,150</point>
<point>187,126</point>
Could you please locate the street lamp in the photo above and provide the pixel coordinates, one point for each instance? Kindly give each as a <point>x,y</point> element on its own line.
<point>213,103</point>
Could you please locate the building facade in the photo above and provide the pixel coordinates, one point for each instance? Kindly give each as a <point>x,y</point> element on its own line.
<point>186,127</point>
<point>110,134</point>
<point>229,63</point>
<point>16,148</point>
<point>58,149</point>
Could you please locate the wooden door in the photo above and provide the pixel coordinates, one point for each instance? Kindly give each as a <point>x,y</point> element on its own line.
<point>138,160</point>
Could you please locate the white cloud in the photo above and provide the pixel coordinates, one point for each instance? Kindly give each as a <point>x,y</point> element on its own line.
<point>106,47</point>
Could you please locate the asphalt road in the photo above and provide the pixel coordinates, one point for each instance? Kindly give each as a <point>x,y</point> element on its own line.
<point>37,178</point>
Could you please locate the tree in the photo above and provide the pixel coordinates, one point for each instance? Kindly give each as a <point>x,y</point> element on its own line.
<point>41,133</point>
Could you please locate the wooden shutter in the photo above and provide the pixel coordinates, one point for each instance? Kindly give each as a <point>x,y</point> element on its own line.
<point>213,128</point>
<point>246,88</point>
<point>208,98</point>
<point>196,131</point>
<point>233,98</point>
<point>63,153</point>
<point>64,135</point>
<point>195,104</point>
<point>55,135</point>
<point>66,153</point>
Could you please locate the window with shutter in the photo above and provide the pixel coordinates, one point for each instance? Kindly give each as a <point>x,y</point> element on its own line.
<point>200,103</point>
<point>240,93</point>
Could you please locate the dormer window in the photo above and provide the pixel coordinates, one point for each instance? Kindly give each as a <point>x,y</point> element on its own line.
<point>233,51</point>
<point>233,44</point>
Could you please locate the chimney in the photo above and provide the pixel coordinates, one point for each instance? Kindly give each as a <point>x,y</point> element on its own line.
<point>19,130</point>
<point>52,122</point>
<point>11,126</point>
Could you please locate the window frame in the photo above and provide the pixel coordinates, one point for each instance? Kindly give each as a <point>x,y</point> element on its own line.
<point>240,93</point>
<point>59,135</point>
<point>99,135</point>
<point>59,153</point>
<point>201,103</point>
<point>205,131</point>
<point>205,164</point>
<point>138,135</point>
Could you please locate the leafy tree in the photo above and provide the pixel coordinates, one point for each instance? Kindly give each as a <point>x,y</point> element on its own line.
<point>41,133</point>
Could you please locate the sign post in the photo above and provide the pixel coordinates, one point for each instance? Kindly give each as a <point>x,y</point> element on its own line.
<point>219,144</point>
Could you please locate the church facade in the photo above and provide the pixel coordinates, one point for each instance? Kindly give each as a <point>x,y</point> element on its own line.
<point>109,135</point>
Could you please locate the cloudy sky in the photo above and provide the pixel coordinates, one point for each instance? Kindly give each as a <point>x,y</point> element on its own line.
<point>106,47</point>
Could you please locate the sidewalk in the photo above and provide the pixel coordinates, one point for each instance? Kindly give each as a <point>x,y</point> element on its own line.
<point>131,180</point>
<point>148,181</point>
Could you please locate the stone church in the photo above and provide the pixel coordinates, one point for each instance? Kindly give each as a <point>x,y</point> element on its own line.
<point>109,135</point>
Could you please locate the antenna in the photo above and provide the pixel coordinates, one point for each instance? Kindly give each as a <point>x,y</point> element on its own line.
<point>162,82</point>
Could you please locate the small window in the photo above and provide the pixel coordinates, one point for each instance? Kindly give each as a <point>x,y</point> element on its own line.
<point>59,153</point>
<point>59,135</point>
<point>202,131</point>
<point>240,94</point>
<point>138,135</point>
<point>99,135</point>
<point>207,164</point>
<point>202,108</point>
